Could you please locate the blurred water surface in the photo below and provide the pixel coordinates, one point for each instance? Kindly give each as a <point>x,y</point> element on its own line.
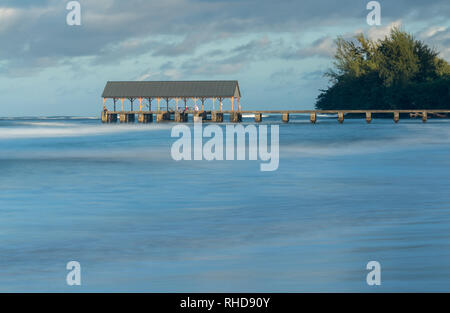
<point>112,198</point>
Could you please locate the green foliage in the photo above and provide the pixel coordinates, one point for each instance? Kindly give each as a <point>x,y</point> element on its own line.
<point>397,72</point>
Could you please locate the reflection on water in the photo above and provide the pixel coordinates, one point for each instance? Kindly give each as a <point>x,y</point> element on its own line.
<point>111,197</point>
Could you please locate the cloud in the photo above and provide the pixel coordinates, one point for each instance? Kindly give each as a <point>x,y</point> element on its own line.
<point>380,32</point>
<point>213,63</point>
<point>188,44</point>
<point>432,31</point>
<point>438,37</point>
<point>8,17</point>
<point>36,30</point>
<point>253,45</point>
<point>322,47</point>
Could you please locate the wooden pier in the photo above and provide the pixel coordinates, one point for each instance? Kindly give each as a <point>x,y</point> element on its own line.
<point>236,116</point>
<point>213,96</point>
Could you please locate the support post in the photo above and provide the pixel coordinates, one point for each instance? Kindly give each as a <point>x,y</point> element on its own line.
<point>104,100</point>
<point>213,103</point>
<point>131,100</point>
<point>108,117</point>
<point>221,100</point>
<point>285,117</point>
<point>258,117</point>
<point>203,104</point>
<point>313,117</point>
<point>159,107</point>
<point>140,104</point>
<point>121,104</point>
<point>145,118</point>
<point>176,99</point>
<point>162,117</point>
<point>239,104</point>
<point>424,116</point>
<point>217,117</point>
<point>368,117</point>
<point>127,117</point>
<point>396,117</point>
<point>180,117</point>
<point>195,104</point>
<point>341,117</point>
<point>199,117</point>
<point>232,98</point>
<point>167,104</point>
<point>236,117</point>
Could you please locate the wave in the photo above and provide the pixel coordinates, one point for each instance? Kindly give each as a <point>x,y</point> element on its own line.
<point>110,154</point>
<point>49,124</point>
<point>71,130</point>
<point>50,118</point>
<point>366,146</point>
<point>67,118</point>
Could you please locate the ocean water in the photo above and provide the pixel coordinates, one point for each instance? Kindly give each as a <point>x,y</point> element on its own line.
<point>112,198</point>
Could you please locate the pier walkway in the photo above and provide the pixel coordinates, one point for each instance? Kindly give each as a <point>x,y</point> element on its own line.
<point>236,116</point>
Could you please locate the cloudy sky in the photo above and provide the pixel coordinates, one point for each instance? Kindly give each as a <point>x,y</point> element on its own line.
<point>278,50</point>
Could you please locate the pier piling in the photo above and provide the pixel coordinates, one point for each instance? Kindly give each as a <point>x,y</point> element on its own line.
<point>145,118</point>
<point>109,117</point>
<point>258,117</point>
<point>180,117</point>
<point>162,117</point>
<point>199,116</point>
<point>368,117</point>
<point>396,117</point>
<point>127,117</point>
<point>285,117</point>
<point>313,117</point>
<point>217,117</point>
<point>235,117</point>
<point>341,117</point>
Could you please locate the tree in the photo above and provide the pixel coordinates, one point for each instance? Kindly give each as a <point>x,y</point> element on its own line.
<point>397,72</point>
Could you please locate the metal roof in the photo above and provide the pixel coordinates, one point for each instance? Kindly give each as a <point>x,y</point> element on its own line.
<point>172,89</point>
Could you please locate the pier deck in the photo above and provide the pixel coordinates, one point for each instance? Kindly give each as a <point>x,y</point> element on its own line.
<point>236,116</point>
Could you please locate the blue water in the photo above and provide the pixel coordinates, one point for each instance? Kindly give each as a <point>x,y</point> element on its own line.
<point>112,198</point>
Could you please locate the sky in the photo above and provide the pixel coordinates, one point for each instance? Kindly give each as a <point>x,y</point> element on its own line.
<point>277,50</point>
